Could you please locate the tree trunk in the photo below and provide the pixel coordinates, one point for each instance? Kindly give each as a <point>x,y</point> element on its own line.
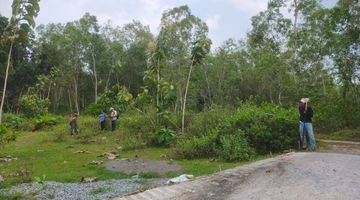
<point>157,92</point>
<point>5,81</point>
<point>208,86</point>
<point>70,104</point>
<point>48,92</point>
<point>185,97</point>
<point>95,76</point>
<point>76,96</point>
<point>294,56</point>
<point>108,80</point>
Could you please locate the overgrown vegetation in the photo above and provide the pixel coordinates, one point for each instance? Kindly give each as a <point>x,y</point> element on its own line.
<point>232,104</point>
<point>262,129</point>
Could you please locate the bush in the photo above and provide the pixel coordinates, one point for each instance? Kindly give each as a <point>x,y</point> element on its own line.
<point>94,109</point>
<point>203,122</point>
<point>31,105</point>
<point>261,129</point>
<point>235,147</point>
<point>137,125</point>
<point>196,147</point>
<point>164,136</point>
<point>268,128</point>
<point>15,122</point>
<point>5,135</point>
<point>44,121</point>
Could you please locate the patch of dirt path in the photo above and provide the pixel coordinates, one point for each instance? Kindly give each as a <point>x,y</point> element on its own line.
<point>131,166</point>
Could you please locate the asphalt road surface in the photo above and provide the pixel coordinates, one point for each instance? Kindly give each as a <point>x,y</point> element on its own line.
<point>291,176</point>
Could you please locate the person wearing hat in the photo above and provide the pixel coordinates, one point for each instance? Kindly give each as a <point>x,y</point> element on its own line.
<point>113,118</point>
<point>306,128</point>
<point>74,129</point>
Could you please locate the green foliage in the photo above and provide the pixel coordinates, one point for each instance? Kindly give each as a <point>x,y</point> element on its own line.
<point>346,135</point>
<point>137,128</point>
<point>43,121</point>
<point>235,147</point>
<point>16,122</point>
<point>118,97</point>
<point>32,105</point>
<point>41,180</point>
<point>164,136</point>
<point>6,136</point>
<point>197,147</point>
<point>94,109</point>
<point>267,128</point>
<point>261,129</point>
<point>202,122</point>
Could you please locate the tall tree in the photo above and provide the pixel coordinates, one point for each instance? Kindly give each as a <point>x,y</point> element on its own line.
<point>23,14</point>
<point>182,33</point>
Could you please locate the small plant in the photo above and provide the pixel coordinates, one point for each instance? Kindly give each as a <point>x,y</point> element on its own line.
<point>41,180</point>
<point>5,135</point>
<point>98,190</point>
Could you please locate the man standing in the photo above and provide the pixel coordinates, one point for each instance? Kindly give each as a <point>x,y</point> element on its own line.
<point>113,118</point>
<point>102,119</point>
<point>306,128</point>
<point>74,128</point>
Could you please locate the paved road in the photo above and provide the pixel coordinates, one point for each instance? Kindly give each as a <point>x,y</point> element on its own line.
<point>291,176</point>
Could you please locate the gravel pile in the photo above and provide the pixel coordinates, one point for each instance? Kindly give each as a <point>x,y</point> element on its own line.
<point>84,191</point>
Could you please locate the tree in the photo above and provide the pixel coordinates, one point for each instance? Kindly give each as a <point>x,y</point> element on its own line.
<point>23,14</point>
<point>182,34</point>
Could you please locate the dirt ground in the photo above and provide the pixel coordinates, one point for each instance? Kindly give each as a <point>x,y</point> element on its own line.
<point>131,166</point>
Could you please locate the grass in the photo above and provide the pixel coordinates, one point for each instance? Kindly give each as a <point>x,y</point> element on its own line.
<point>346,135</point>
<point>99,190</point>
<point>16,196</point>
<point>52,153</point>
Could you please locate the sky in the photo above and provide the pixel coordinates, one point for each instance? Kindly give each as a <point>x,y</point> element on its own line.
<point>225,18</point>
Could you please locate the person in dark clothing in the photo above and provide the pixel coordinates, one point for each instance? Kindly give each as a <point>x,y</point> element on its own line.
<point>305,127</point>
<point>102,119</point>
<point>74,129</point>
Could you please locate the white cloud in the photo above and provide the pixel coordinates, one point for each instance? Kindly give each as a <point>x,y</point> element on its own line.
<point>251,7</point>
<point>213,22</point>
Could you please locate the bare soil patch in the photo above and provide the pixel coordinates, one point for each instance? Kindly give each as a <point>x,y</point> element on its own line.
<point>130,166</point>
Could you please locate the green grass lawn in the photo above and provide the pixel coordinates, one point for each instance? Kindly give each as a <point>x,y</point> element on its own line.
<point>53,153</point>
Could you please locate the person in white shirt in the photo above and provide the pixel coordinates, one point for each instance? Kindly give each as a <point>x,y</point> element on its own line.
<point>113,118</point>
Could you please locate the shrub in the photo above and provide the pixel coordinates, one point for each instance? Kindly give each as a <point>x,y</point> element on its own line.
<point>6,135</point>
<point>235,147</point>
<point>261,129</point>
<point>164,136</point>
<point>94,109</point>
<point>15,122</point>
<point>31,105</point>
<point>196,147</point>
<point>43,121</point>
<point>203,122</point>
<point>268,128</point>
<point>137,125</point>
<point>9,137</point>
